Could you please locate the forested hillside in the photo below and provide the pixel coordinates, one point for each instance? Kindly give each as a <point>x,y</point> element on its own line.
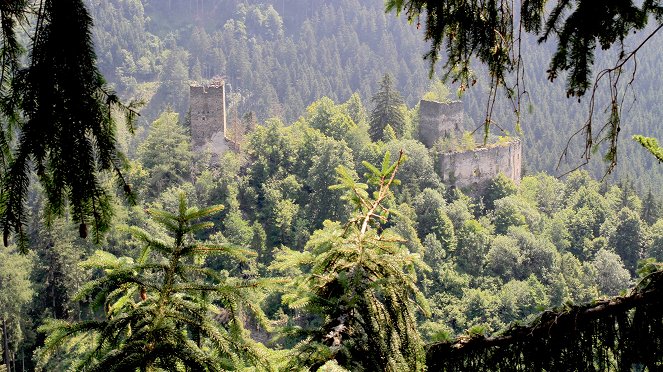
<point>280,56</point>
<point>328,241</point>
<point>474,264</point>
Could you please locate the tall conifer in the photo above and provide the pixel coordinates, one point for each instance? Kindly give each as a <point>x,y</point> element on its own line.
<point>387,110</point>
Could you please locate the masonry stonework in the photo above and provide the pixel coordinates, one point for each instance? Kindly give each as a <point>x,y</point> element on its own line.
<point>208,117</point>
<point>438,120</point>
<point>470,169</point>
<point>474,169</point>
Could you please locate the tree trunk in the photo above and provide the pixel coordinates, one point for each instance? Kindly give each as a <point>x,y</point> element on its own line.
<point>5,345</point>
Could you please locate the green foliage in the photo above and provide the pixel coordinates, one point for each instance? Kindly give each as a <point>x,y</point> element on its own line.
<point>429,206</point>
<point>160,310</point>
<point>361,283</point>
<point>473,245</point>
<point>16,291</point>
<point>386,110</point>
<point>655,248</point>
<point>544,191</point>
<point>57,275</point>
<point>651,144</point>
<point>611,276</point>
<point>566,338</point>
<point>437,92</point>
<point>508,213</point>
<point>330,119</point>
<point>629,238</point>
<point>420,173</point>
<point>498,188</point>
<point>165,155</point>
<point>68,134</point>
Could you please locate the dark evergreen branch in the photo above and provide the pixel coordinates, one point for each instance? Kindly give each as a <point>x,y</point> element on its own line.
<point>607,334</point>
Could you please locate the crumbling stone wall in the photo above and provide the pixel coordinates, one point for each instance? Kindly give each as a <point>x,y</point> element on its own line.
<point>474,169</point>
<point>208,117</point>
<point>437,120</point>
<point>470,169</point>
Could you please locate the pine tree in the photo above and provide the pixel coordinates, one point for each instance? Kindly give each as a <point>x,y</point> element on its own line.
<point>361,284</point>
<point>651,209</point>
<point>68,136</point>
<point>387,110</point>
<point>161,310</point>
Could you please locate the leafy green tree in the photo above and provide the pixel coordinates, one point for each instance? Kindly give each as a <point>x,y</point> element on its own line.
<point>473,245</point>
<point>405,225</point>
<point>418,174</point>
<point>611,275</point>
<point>504,258</point>
<point>590,198</point>
<point>499,188</point>
<point>575,181</point>
<point>629,197</point>
<point>628,240</point>
<point>438,91</point>
<point>362,285</point>
<point>544,191</point>
<point>460,208</point>
<point>428,205</point>
<point>538,256</point>
<point>651,208</point>
<point>330,119</point>
<point>165,154</point>
<point>655,248</point>
<point>581,226</point>
<point>282,209</point>
<point>572,281</point>
<point>508,213</point>
<point>272,151</point>
<point>355,109</point>
<point>162,311</point>
<point>16,291</point>
<point>519,299</point>
<point>557,231</point>
<point>174,89</point>
<point>481,309</point>
<point>318,155</point>
<point>386,110</point>
<point>57,275</point>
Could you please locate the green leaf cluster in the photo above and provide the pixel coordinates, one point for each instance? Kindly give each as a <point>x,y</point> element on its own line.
<point>163,310</point>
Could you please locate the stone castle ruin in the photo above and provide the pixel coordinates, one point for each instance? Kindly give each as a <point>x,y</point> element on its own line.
<point>470,169</point>
<point>473,169</point>
<point>437,120</point>
<point>207,108</point>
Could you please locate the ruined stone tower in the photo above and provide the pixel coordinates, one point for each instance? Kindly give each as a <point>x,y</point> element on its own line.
<point>207,108</point>
<point>437,120</point>
<point>469,169</point>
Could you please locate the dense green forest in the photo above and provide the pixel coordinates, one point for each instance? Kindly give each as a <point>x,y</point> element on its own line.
<point>479,264</point>
<point>280,56</point>
<point>329,240</point>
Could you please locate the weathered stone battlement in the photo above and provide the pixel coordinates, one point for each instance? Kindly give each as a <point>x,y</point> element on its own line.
<point>470,168</point>
<point>476,168</point>
<point>208,117</point>
<point>437,120</point>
